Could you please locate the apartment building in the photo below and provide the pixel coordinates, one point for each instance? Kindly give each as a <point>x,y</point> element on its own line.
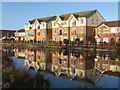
<point>7,33</point>
<point>108,32</point>
<point>74,26</point>
<point>39,30</point>
<point>20,35</point>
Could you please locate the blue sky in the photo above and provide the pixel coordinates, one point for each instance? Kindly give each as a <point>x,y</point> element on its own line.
<point>16,14</point>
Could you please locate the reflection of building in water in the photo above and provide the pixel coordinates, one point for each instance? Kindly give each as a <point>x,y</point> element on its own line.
<point>9,51</point>
<point>71,64</point>
<point>76,65</point>
<point>107,62</point>
<point>20,53</point>
<point>36,59</point>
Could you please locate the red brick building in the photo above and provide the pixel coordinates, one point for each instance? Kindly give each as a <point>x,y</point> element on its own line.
<point>108,32</point>
<point>20,35</point>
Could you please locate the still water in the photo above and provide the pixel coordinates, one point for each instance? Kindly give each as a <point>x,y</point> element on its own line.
<point>69,68</point>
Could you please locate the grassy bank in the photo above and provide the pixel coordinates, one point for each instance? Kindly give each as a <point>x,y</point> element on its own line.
<point>93,48</point>
<point>13,78</point>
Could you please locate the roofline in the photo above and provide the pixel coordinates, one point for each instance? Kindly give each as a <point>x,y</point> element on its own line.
<point>100,15</point>
<point>112,21</point>
<point>76,12</point>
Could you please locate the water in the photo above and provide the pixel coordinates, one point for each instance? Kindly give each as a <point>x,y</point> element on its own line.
<point>69,68</point>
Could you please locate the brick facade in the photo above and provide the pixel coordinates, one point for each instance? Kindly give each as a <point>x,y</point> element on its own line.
<point>112,35</point>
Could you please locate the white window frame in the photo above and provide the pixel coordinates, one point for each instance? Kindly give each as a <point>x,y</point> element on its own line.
<point>99,31</point>
<point>105,30</point>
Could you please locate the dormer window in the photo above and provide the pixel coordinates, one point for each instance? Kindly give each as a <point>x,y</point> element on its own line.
<point>43,25</point>
<point>54,23</point>
<point>30,27</point>
<point>81,21</point>
<point>38,27</point>
<point>74,22</point>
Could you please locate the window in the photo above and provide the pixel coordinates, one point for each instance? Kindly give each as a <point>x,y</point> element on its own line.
<point>73,62</point>
<point>43,31</point>
<point>54,39</point>
<point>81,56</point>
<point>26,56</point>
<point>38,33</point>
<point>65,30</point>
<point>81,30</point>
<point>60,32</point>
<point>81,20</point>
<point>32,32</point>
<point>65,23</point>
<point>60,61</point>
<point>74,31</point>
<point>105,40</point>
<point>58,38</point>
<point>54,23</point>
<point>74,22</point>
<point>98,65</point>
<point>81,38</point>
<point>73,71</point>
<point>43,59</point>
<point>99,31</point>
<point>38,57</point>
<point>43,25</point>
<point>81,65</point>
<point>92,21</point>
<point>30,27</point>
<point>113,30</point>
<point>105,30</point>
<point>116,68</point>
<point>54,31</point>
<point>38,27</point>
<point>54,61</point>
<point>105,65</point>
<point>64,63</point>
<point>118,30</point>
<point>43,39</point>
<point>39,39</point>
<point>26,33</point>
<point>118,39</point>
<point>97,21</point>
<point>71,38</point>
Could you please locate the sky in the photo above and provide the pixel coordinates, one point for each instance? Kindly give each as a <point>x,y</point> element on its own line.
<point>16,14</point>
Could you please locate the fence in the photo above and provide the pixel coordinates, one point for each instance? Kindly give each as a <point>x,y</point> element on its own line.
<point>66,44</point>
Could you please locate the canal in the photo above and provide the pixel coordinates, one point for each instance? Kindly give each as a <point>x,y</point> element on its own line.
<point>68,68</point>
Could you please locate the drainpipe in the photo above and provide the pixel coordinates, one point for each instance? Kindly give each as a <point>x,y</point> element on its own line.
<point>86,32</point>
<point>109,36</point>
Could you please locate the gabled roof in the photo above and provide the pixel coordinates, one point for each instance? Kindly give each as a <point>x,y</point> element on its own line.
<point>8,30</point>
<point>31,22</point>
<point>21,30</point>
<point>111,23</point>
<point>45,19</point>
<point>77,14</point>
